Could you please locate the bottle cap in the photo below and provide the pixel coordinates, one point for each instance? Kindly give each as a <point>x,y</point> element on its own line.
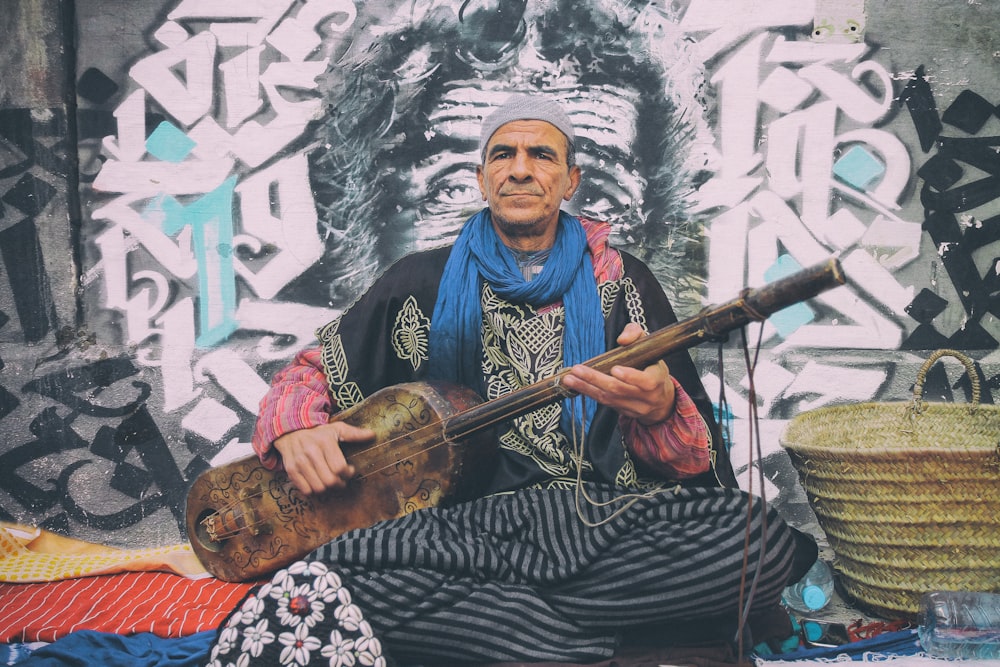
<point>814,597</point>
<point>812,630</point>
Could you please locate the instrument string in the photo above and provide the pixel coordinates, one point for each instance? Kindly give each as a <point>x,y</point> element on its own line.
<point>232,533</point>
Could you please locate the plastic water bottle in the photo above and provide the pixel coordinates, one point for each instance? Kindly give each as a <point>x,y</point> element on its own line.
<point>959,624</point>
<point>813,591</point>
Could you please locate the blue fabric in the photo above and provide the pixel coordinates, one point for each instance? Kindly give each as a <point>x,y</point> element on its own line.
<point>12,654</point>
<point>86,648</point>
<point>479,254</point>
<point>898,643</point>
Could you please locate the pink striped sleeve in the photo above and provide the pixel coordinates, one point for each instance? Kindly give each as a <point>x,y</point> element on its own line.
<point>676,448</point>
<point>298,398</point>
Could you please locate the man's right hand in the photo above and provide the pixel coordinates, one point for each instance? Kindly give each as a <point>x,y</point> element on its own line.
<point>313,458</point>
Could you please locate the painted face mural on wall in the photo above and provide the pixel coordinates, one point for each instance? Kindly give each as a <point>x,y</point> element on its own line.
<point>394,166</point>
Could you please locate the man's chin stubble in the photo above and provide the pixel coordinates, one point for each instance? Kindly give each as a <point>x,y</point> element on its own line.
<point>520,230</point>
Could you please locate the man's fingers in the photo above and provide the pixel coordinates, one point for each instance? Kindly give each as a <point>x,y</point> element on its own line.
<point>648,379</point>
<point>631,333</point>
<point>645,394</point>
<point>350,433</point>
<point>313,458</point>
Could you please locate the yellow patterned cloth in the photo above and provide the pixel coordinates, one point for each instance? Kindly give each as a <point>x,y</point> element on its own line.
<point>29,554</point>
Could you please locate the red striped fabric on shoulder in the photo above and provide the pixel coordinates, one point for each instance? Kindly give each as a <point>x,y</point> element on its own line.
<point>607,261</point>
<point>164,604</point>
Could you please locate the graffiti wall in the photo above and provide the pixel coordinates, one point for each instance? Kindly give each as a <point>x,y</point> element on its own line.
<point>228,176</point>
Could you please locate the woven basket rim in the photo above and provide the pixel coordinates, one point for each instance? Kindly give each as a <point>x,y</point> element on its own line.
<point>800,425</point>
<point>900,404</point>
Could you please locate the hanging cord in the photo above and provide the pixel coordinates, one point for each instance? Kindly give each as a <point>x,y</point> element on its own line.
<point>581,494</point>
<point>746,597</point>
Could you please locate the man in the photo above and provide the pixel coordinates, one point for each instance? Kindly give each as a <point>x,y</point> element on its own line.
<point>605,511</point>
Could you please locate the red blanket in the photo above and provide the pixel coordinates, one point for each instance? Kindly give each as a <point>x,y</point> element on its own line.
<point>164,604</point>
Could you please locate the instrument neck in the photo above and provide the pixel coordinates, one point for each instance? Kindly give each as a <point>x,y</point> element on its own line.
<point>713,322</point>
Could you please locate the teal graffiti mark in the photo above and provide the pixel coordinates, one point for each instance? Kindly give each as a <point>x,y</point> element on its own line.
<point>787,320</point>
<point>168,143</point>
<point>725,418</point>
<point>858,168</point>
<point>211,221</point>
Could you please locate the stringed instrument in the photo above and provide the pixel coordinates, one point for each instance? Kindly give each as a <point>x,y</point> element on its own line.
<point>433,446</point>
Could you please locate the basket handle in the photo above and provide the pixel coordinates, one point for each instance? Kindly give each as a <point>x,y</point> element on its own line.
<point>917,405</point>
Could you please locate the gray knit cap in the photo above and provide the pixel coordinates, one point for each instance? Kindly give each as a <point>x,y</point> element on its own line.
<point>525,107</point>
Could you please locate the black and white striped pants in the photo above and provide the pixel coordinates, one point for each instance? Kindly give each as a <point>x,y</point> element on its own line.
<point>519,576</point>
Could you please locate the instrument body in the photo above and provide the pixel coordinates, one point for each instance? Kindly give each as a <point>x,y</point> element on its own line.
<point>244,520</point>
<point>433,446</point>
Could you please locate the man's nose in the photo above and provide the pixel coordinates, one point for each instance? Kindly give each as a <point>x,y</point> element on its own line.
<point>520,168</point>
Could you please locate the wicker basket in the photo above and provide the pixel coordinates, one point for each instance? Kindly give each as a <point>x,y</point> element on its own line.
<point>908,494</point>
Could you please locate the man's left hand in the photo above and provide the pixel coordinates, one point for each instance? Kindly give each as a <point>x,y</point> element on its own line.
<point>646,395</point>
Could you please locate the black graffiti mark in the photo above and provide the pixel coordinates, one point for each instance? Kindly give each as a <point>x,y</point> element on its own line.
<point>53,435</point>
<point>96,86</point>
<point>96,123</point>
<point>18,127</point>
<point>940,172</point>
<point>3,322</point>
<point>943,195</point>
<point>975,293</point>
<point>129,516</point>
<point>58,523</point>
<point>30,195</point>
<point>983,234</point>
<point>963,198</point>
<point>12,160</point>
<point>64,386</point>
<point>140,432</point>
<point>137,433</point>
<point>920,102</point>
<point>8,401</point>
<point>22,127</point>
<point>946,233</point>
<point>29,283</point>
<point>980,152</point>
<point>926,305</point>
<point>969,112</point>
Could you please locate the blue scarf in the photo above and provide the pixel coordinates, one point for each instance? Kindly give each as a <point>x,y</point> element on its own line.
<point>478,254</point>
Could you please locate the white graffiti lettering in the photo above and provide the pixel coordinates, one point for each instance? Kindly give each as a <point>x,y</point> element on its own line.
<point>211,211</point>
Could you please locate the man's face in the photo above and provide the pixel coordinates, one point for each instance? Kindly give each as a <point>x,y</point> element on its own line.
<point>524,180</point>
